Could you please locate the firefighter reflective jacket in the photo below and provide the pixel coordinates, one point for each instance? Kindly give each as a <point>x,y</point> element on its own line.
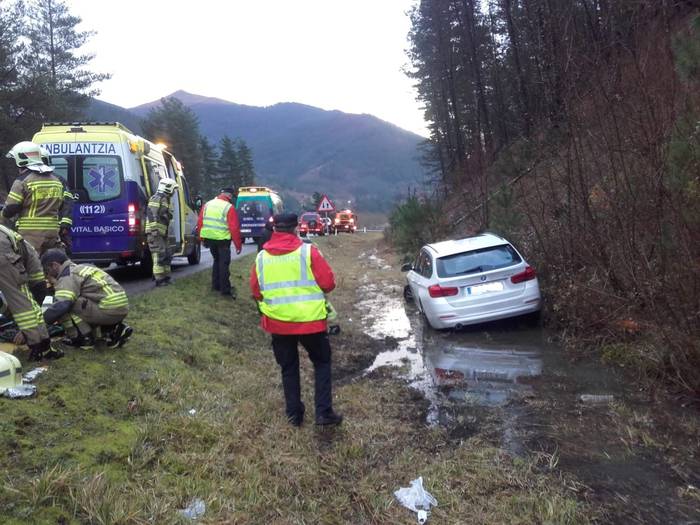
<point>214,223</point>
<point>289,289</point>
<point>159,214</point>
<point>17,250</point>
<point>89,282</point>
<point>42,202</point>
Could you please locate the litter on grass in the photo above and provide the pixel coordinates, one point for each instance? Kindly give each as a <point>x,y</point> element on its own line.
<point>417,499</point>
<point>20,391</point>
<point>194,510</point>
<point>30,376</point>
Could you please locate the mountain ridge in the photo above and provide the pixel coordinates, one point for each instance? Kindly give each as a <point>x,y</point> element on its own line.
<point>302,149</point>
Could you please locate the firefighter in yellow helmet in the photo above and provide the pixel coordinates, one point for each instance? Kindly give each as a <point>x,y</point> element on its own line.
<point>158,217</point>
<point>39,199</point>
<point>23,286</point>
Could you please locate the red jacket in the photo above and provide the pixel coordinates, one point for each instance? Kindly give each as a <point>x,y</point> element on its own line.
<point>232,218</point>
<point>279,244</point>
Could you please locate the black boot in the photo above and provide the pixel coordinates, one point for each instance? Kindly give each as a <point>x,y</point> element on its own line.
<point>44,350</point>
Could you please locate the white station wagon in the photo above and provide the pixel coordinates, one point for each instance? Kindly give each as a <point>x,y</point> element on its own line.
<point>472,280</point>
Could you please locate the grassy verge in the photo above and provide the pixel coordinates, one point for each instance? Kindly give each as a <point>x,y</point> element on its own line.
<point>192,408</point>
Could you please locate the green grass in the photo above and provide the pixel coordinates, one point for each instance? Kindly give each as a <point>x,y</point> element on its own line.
<point>110,438</point>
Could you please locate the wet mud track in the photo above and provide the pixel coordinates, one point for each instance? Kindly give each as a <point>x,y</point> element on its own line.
<point>512,384</point>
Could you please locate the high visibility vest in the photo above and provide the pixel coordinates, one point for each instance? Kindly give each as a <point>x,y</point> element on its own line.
<point>289,289</point>
<point>214,223</point>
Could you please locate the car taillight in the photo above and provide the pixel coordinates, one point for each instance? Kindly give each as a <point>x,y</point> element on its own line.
<point>439,291</point>
<point>132,219</point>
<point>528,275</point>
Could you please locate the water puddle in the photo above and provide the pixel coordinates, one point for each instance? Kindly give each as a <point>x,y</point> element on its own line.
<point>483,376</point>
<point>510,382</point>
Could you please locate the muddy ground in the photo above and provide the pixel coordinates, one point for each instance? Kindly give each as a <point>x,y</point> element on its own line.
<point>632,453</point>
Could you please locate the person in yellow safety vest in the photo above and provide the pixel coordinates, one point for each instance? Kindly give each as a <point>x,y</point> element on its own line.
<point>23,285</point>
<point>158,217</point>
<point>39,199</point>
<point>87,300</point>
<point>217,227</point>
<point>289,281</point>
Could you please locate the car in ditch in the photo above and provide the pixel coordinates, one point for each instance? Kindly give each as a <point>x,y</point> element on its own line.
<point>462,282</point>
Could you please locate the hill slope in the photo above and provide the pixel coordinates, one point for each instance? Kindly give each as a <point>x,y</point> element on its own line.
<point>304,149</point>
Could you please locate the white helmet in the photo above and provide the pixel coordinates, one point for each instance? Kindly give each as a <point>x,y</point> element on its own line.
<point>167,186</point>
<point>30,156</point>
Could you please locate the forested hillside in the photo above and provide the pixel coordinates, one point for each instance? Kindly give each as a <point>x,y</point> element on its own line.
<point>572,127</point>
<point>306,149</point>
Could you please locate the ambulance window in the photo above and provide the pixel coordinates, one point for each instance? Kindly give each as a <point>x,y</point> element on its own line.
<point>155,173</point>
<point>100,177</point>
<point>60,167</point>
<point>186,190</point>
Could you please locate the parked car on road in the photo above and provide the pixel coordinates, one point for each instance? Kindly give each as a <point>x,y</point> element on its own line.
<point>474,280</point>
<point>310,222</point>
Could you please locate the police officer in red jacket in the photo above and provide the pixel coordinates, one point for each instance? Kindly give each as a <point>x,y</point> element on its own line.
<point>289,281</point>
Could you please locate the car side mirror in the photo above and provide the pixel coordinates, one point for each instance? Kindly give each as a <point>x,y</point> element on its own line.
<point>406,267</point>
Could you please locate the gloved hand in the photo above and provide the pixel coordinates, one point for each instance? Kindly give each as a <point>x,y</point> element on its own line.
<point>19,339</point>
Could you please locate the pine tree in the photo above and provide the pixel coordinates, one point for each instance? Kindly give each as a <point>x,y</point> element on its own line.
<point>210,169</point>
<point>56,77</point>
<point>245,163</point>
<point>177,126</point>
<point>229,167</point>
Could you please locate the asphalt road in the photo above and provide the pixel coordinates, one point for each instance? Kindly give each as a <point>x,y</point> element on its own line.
<point>134,283</point>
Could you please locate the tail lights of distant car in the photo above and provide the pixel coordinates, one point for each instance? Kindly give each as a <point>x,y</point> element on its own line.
<point>527,275</point>
<point>441,291</point>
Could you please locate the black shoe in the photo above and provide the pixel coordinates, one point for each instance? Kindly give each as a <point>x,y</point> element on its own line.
<point>84,342</point>
<point>53,353</point>
<point>119,335</point>
<point>165,281</point>
<point>331,418</point>
<point>230,295</point>
<point>297,419</point>
<point>44,350</point>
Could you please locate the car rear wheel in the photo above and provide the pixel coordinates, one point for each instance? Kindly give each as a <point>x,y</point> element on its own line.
<point>196,255</point>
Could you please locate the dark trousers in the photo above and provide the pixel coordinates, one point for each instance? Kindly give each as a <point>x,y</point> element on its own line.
<point>286,352</point>
<point>221,253</point>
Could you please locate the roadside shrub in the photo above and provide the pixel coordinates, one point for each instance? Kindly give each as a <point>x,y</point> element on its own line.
<point>415,222</point>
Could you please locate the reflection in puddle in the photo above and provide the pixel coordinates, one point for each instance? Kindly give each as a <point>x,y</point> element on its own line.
<point>383,314</point>
<point>483,376</point>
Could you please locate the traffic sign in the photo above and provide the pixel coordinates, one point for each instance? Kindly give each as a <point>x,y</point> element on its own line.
<point>325,205</point>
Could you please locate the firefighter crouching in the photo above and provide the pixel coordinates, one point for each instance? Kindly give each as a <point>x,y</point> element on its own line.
<point>39,199</point>
<point>158,217</point>
<point>23,285</point>
<point>88,302</point>
<point>289,280</point>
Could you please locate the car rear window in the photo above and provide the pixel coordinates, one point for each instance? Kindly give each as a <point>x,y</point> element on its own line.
<point>309,217</point>
<point>343,216</point>
<point>477,261</point>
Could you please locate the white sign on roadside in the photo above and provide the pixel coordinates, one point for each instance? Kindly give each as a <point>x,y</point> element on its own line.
<point>325,205</point>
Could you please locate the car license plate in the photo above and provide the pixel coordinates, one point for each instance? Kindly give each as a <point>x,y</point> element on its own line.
<point>478,289</point>
<point>245,230</point>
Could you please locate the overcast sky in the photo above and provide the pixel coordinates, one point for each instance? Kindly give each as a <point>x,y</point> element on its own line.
<point>332,54</point>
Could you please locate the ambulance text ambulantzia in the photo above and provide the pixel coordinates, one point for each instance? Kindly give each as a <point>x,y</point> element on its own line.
<point>81,148</point>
